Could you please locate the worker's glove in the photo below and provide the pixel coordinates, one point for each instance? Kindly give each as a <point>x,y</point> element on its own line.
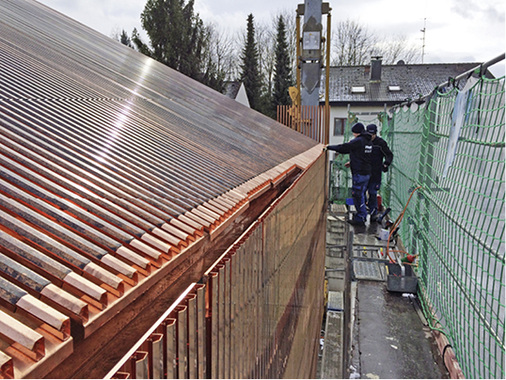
<point>385,168</point>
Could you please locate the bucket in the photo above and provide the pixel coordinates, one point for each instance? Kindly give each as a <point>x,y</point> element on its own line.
<point>396,282</point>
<point>383,235</point>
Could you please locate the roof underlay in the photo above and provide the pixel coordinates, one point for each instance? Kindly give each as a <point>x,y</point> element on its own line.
<point>112,166</point>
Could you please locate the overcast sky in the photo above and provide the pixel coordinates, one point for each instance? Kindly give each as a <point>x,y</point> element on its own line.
<point>456,30</point>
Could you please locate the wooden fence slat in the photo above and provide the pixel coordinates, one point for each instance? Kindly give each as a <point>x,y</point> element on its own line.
<point>311,121</point>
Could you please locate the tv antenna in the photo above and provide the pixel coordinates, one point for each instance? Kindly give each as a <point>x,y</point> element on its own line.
<point>423,38</point>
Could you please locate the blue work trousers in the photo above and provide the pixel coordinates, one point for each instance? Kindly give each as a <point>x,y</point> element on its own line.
<point>372,199</point>
<point>358,190</point>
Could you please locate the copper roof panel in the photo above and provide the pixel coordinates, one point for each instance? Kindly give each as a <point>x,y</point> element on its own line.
<point>111,165</point>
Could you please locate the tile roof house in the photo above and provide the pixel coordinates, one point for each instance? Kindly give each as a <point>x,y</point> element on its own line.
<point>370,89</point>
<point>236,90</point>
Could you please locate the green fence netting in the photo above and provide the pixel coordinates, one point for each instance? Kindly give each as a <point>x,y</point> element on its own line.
<point>453,147</point>
<point>340,176</point>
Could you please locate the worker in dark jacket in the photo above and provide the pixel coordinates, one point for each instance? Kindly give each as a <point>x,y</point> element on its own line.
<point>381,159</point>
<point>360,150</point>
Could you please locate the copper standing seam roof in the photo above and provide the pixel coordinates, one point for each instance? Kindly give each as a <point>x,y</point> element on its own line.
<point>111,165</point>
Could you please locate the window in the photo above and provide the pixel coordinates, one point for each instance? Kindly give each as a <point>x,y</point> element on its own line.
<point>358,89</point>
<point>394,88</point>
<point>339,125</point>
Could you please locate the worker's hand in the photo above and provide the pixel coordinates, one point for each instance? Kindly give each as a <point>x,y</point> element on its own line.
<point>347,164</point>
<point>325,148</point>
<point>385,168</point>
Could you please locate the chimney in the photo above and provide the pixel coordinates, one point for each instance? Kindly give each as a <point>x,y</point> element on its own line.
<point>376,69</point>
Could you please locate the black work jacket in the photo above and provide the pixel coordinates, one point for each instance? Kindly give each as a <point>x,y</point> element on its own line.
<point>381,156</point>
<point>360,151</point>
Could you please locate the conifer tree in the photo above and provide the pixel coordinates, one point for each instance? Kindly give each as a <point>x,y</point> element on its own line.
<point>282,70</point>
<point>178,39</point>
<point>250,73</point>
<point>124,39</point>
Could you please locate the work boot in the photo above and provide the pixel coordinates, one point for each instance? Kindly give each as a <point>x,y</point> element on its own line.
<point>355,222</point>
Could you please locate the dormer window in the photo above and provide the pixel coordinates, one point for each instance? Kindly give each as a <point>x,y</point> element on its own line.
<point>394,88</point>
<point>358,89</point>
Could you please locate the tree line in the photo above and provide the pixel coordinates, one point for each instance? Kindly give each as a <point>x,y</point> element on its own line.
<point>263,56</point>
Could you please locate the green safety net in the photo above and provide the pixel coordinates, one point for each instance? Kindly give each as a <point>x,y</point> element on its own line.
<point>449,153</point>
<point>340,175</point>
<point>448,175</point>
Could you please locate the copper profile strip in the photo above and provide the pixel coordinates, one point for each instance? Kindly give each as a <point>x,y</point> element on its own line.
<point>177,233</point>
<point>214,314</point>
<point>66,301</point>
<point>191,303</point>
<point>55,322</point>
<point>171,239</point>
<point>172,325</point>
<point>58,251</point>
<point>157,243</point>
<point>6,366</point>
<point>55,270</point>
<point>146,249</point>
<point>221,227</point>
<point>192,231</point>
<point>192,223</point>
<point>210,210</point>
<point>39,286</point>
<point>19,301</point>
<point>181,315</point>
<point>139,365</point>
<point>217,206</point>
<point>155,356</point>
<point>92,292</point>
<point>28,341</point>
<point>201,332</point>
<point>113,282</point>
<point>134,258</point>
<point>198,218</point>
<point>170,364</point>
<point>204,215</point>
<point>222,322</point>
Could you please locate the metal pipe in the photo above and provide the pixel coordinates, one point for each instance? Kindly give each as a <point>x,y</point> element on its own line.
<point>327,81</point>
<point>482,67</point>
<point>297,44</point>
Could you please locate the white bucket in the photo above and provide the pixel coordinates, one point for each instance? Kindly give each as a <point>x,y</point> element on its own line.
<point>383,235</point>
